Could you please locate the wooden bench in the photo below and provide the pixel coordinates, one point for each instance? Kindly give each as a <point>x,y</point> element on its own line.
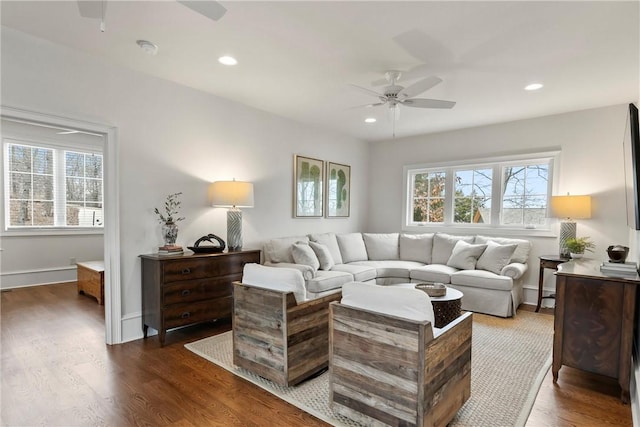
<point>91,279</point>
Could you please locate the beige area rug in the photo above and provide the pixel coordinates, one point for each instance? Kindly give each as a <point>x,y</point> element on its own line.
<point>510,358</point>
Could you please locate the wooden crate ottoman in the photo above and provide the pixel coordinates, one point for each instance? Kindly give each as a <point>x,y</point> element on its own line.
<point>91,279</point>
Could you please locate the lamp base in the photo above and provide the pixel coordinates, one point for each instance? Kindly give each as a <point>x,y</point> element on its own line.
<point>234,229</point>
<point>567,231</point>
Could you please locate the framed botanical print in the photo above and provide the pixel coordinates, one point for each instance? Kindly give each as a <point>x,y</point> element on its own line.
<point>308,187</point>
<point>338,190</point>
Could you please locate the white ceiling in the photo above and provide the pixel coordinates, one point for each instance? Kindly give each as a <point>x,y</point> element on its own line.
<point>296,59</point>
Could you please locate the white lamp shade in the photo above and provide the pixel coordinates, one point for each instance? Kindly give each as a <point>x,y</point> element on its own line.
<point>237,194</point>
<point>576,207</point>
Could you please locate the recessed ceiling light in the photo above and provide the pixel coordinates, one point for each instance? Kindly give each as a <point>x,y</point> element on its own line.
<point>370,120</point>
<point>148,47</point>
<point>533,86</point>
<point>227,60</point>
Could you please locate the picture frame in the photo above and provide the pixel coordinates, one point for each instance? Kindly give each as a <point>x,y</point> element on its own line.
<point>338,193</point>
<point>308,187</point>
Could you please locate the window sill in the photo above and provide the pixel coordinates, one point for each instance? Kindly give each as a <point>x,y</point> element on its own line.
<point>492,231</point>
<point>51,232</point>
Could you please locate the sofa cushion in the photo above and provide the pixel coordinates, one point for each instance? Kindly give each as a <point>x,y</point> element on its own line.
<point>443,246</point>
<point>432,273</point>
<point>352,247</point>
<point>521,253</point>
<point>495,257</point>
<point>401,302</point>
<point>327,280</point>
<point>381,246</point>
<point>465,255</point>
<point>482,279</point>
<point>279,250</point>
<point>280,279</point>
<point>416,247</point>
<point>324,255</point>
<point>303,254</point>
<point>330,241</point>
<point>391,268</point>
<point>360,273</point>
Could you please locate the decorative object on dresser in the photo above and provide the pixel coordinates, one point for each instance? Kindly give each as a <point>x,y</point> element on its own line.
<point>169,219</point>
<point>181,290</point>
<point>577,246</point>
<point>233,195</point>
<point>594,321</point>
<point>308,187</point>
<point>91,279</point>
<point>569,208</point>
<point>617,253</point>
<point>338,190</point>
<point>619,269</point>
<point>551,262</point>
<point>208,249</point>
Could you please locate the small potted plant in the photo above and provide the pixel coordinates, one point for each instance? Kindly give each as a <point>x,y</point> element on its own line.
<point>169,219</point>
<point>578,245</point>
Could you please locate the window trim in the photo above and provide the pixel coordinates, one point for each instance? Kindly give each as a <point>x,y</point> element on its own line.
<point>553,157</point>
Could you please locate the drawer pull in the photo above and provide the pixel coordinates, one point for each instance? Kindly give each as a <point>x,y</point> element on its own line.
<point>186,293</point>
<point>186,271</point>
<point>185,315</point>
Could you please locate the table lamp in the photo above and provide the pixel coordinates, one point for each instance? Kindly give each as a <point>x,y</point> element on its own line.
<point>233,195</point>
<point>569,208</point>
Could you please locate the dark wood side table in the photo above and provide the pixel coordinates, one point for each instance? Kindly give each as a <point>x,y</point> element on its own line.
<point>594,319</point>
<point>181,290</point>
<point>551,262</point>
<point>447,308</point>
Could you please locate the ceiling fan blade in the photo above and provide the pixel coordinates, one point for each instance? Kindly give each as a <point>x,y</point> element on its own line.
<point>209,8</point>
<point>428,103</point>
<point>92,8</point>
<point>418,87</point>
<point>377,104</point>
<point>367,91</point>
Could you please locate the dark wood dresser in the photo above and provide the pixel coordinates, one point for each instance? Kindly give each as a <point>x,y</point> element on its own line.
<point>187,289</point>
<point>594,322</point>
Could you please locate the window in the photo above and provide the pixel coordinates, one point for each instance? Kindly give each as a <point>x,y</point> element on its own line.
<point>50,186</point>
<point>506,192</point>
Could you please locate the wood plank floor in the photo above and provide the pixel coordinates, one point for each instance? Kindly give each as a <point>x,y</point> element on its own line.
<point>57,371</point>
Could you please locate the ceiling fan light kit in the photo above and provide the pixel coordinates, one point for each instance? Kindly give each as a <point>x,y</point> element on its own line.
<point>147,47</point>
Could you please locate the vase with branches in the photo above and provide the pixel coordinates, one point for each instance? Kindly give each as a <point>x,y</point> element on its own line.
<point>169,218</point>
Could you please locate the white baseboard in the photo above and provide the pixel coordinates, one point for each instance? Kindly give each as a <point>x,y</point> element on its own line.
<point>132,327</point>
<point>531,296</point>
<point>44,276</point>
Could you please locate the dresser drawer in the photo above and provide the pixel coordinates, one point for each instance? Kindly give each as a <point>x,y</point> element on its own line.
<point>186,314</point>
<point>200,289</point>
<point>186,269</point>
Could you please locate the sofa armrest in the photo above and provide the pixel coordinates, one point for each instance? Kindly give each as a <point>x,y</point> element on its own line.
<point>307,271</point>
<point>515,270</point>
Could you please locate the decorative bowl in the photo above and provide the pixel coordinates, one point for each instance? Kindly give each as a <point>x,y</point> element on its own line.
<point>433,289</point>
<point>617,253</point>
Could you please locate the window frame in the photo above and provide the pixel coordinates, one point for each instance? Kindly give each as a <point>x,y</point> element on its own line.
<point>496,164</point>
<point>59,148</point>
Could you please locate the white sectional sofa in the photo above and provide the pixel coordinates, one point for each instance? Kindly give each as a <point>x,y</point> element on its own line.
<point>487,270</point>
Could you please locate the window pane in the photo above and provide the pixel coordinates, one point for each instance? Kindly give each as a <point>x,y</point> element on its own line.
<point>43,187</point>
<point>428,197</point>
<point>43,213</point>
<point>20,186</point>
<point>75,189</point>
<point>74,164</point>
<point>93,166</point>
<point>20,212</point>
<point>472,199</point>
<point>43,161</point>
<point>19,158</point>
<point>525,198</point>
<point>93,192</point>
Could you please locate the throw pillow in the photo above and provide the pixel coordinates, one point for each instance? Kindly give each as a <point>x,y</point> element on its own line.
<point>330,241</point>
<point>352,247</point>
<point>465,255</point>
<point>324,255</point>
<point>416,247</point>
<point>443,245</point>
<point>303,254</point>
<point>495,257</point>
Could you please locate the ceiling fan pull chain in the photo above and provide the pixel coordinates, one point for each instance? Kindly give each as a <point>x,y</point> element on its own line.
<point>102,24</point>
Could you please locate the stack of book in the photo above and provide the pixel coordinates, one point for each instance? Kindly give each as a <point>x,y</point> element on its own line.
<point>170,250</point>
<point>619,268</point>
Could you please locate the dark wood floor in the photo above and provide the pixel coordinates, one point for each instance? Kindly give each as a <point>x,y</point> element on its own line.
<point>57,371</point>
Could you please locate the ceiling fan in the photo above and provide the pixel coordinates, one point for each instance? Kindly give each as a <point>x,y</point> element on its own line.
<point>394,95</point>
<point>96,9</point>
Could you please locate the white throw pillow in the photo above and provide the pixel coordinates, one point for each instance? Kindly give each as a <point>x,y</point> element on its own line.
<point>495,257</point>
<point>416,247</point>
<point>279,250</point>
<point>330,241</point>
<point>465,255</point>
<point>324,255</point>
<point>303,254</point>
<point>443,245</point>
<point>521,254</point>
<point>352,247</point>
<point>381,246</point>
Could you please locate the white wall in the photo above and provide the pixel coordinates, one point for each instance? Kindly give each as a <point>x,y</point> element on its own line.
<point>171,139</point>
<point>591,162</point>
